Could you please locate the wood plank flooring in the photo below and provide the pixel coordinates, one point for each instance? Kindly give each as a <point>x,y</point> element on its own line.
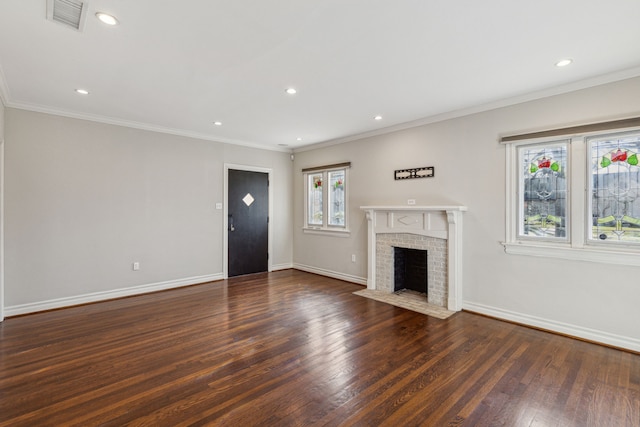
<point>295,349</point>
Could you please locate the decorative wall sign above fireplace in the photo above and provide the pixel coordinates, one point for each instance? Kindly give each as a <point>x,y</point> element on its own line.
<point>425,172</point>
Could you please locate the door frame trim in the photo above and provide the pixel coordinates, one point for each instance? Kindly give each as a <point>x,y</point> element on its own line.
<point>225,214</point>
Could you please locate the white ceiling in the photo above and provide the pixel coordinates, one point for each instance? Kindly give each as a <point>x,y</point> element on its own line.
<point>178,66</point>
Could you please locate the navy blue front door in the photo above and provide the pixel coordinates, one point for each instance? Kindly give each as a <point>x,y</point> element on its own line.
<point>248,222</point>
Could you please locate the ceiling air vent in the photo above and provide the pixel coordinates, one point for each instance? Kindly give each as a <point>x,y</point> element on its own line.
<point>67,12</point>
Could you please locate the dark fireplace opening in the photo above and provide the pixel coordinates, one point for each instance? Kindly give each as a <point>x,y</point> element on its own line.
<point>410,270</point>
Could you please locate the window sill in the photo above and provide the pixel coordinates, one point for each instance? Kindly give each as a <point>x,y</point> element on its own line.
<point>617,256</point>
<point>327,232</point>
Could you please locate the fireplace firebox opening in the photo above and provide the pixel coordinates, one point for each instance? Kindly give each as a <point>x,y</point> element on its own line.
<point>410,270</point>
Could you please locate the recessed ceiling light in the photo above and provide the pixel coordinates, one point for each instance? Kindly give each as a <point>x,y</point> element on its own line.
<point>106,18</point>
<point>564,62</point>
<point>82,91</point>
<point>217,123</point>
<point>298,139</point>
<point>291,91</point>
<point>377,118</point>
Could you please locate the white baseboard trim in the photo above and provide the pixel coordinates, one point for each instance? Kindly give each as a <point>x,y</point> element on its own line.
<point>285,266</point>
<point>594,335</point>
<point>332,274</point>
<point>106,295</point>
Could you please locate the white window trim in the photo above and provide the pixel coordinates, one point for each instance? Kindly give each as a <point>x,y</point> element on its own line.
<point>578,247</point>
<point>326,230</point>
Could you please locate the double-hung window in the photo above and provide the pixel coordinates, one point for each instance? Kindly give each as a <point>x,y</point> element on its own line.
<point>575,196</point>
<point>326,202</point>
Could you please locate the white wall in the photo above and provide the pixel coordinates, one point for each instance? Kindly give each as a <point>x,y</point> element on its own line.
<point>595,301</point>
<point>84,200</point>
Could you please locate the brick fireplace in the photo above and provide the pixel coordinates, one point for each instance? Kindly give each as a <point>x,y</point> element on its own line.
<point>436,229</point>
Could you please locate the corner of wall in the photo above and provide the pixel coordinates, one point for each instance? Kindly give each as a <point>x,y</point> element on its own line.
<point>1,208</point>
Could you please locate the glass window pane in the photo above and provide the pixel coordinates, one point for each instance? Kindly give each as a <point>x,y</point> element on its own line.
<point>336,197</point>
<point>315,199</point>
<point>543,191</point>
<point>615,206</point>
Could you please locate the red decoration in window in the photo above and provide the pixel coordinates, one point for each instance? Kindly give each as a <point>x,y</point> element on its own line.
<point>544,163</point>
<point>619,156</point>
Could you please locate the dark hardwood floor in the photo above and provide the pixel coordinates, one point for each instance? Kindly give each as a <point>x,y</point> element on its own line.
<point>292,349</point>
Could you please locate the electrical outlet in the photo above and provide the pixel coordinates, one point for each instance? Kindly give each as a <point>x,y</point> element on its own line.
<point>136,266</point>
<point>411,201</point>
<point>353,257</point>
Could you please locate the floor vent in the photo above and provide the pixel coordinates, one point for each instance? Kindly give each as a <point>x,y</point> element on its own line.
<point>67,12</point>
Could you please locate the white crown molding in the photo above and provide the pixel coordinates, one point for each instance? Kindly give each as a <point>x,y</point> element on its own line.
<point>593,335</point>
<point>544,93</point>
<point>106,295</point>
<point>557,90</point>
<point>139,125</point>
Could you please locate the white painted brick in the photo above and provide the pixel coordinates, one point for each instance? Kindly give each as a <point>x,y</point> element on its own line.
<point>436,268</point>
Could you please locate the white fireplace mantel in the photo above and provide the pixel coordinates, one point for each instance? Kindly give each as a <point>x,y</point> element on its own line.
<point>443,222</point>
